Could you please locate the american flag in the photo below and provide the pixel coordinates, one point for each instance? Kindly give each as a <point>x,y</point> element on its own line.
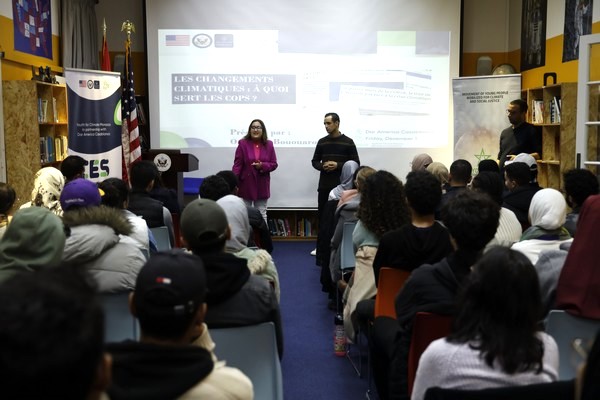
<point>130,137</point>
<point>177,40</point>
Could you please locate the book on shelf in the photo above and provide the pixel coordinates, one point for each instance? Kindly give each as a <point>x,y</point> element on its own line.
<point>537,110</point>
<point>141,114</point>
<point>555,110</point>
<point>288,231</point>
<point>54,110</point>
<point>272,228</point>
<point>281,227</point>
<point>307,227</point>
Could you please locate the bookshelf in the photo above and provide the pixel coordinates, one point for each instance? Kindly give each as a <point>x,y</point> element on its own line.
<point>35,130</point>
<point>553,108</point>
<point>293,223</point>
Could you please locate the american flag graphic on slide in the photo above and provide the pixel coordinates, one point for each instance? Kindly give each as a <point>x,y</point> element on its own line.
<point>177,40</point>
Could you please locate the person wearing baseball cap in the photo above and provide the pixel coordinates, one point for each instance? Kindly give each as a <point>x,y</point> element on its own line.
<point>99,238</point>
<point>174,357</point>
<point>235,297</point>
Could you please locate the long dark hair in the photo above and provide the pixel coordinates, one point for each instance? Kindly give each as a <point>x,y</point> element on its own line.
<point>383,204</point>
<point>499,309</point>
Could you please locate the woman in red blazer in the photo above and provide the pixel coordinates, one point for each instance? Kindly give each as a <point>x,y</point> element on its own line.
<point>254,160</point>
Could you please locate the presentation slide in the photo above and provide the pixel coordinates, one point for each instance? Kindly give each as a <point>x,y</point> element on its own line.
<point>385,66</point>
<point>391,89</point>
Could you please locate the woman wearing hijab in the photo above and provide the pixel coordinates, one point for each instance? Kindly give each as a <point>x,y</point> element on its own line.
<point>547,214</point>
<point>420,162</point>
<point>47,186</point>
<point>260,261</point>
<point>346,180</point>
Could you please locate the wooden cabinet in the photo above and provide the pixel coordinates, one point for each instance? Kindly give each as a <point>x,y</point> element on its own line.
<point>553,109</point>
<point>293,224</point>
<point>35,130</point>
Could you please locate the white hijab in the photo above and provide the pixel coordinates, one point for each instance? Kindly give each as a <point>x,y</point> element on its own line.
<point>548,209</point>
<point>237,216</point>
<point>47,186</point>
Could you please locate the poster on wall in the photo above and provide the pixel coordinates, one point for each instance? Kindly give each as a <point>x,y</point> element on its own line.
<point>95,121</point>
<point>33,27</point>
<point>578,22</point>
<point>480,114</point>
<point>533,34</point>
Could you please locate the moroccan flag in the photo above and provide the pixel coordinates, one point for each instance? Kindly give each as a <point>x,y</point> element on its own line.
<point>105,55</point>
<point>130,138</point>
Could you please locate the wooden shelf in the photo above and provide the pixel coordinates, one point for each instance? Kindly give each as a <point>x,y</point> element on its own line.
<point>558,138</point>
<point>32,110</point>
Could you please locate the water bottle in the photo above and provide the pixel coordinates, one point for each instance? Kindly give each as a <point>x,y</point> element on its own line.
<point>339,336</point>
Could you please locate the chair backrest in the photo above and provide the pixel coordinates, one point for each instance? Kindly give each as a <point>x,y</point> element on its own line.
<point>426,328</point>
<point>347,254</point>
<point>119,324</point>
<point>560,390</point>
<point>161,235</point>
<point>389,284</point>
<point>566,329</point>
<point>253,350</point>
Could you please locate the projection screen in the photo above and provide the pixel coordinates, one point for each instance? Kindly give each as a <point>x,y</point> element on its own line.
<point>384,66</point>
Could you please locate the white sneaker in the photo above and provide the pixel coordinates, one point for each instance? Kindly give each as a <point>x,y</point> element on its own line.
<point>314,252</point>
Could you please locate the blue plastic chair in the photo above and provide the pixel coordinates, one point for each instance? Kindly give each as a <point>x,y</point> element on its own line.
<point>571,333</point>
<point>253,350</point>
<point>119,324</point>
<point>161,235</point>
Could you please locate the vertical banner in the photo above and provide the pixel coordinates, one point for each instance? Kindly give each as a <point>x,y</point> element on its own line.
<point>95,121</point>
<point>480,114</point>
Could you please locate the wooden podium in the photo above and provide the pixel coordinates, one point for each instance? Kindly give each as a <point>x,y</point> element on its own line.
<point>172,164</point>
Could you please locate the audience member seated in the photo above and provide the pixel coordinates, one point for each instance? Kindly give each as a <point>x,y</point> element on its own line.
<point>73,167</point>
<point>346,212</point>
<point>495,339</point>
<point>235,296</point>
<point>167,196</point>
<point>143,175</point>
<point>52,330</point>
<point>48,183</point>
<point>424,240</point>
<point>420,162</point>
<point>578,287</point>
<point>259,261</point>
<point>509,228</point>
<point>458,179</point>
<point>116,195</point>
<point>7,200</point>
<point>488,165</point>
<point>34,239</point>
<point>382,208</point>
<point>531,163</point>
<point>432,288</point>
<point>579,185</point>
<point>174,358</point>
<point>257,222</point>
<point>516,179</point>
<point>95,242</point>
<point>346,180</point>
<point>547,215</point>
<point>440,171</point>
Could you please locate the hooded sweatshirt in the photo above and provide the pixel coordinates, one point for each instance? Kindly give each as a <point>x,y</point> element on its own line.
<point>34,239</point>
<point>151,371</point>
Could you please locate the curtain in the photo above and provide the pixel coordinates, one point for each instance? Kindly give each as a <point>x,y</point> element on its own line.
<point>79,34</point>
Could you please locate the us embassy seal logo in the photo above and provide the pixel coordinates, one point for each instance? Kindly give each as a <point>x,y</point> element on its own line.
<point>202,40</point>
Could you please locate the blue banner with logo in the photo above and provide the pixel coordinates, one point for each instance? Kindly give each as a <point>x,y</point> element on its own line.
<point>94,99</point>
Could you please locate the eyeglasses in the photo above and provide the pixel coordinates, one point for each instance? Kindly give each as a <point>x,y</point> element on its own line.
<point>256,128</point>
